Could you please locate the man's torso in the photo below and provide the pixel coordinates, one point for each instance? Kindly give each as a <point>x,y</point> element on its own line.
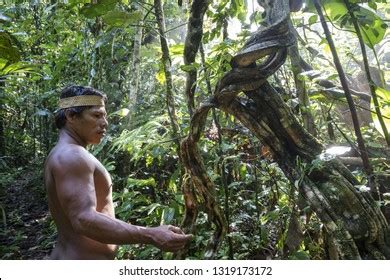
<point>71,245</point>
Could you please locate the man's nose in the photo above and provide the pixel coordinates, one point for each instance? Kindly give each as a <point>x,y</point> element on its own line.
<point>105,122</point>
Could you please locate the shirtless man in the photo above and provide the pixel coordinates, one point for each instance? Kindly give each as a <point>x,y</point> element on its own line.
<point>79,188</point>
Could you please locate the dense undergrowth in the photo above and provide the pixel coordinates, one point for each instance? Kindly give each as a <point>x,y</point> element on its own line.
<point>48,46</point>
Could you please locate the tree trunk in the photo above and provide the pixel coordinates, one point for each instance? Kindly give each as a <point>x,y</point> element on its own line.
<point>95,71</point>
<point>166,61</point>
<point>350,216</point>
<point>135,70</point>
<point>304,102</point>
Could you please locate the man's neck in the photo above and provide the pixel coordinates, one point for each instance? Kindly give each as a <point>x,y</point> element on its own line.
<point>69,136</point>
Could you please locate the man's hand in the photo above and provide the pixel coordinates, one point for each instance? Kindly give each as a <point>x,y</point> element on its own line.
<point>169,238</point>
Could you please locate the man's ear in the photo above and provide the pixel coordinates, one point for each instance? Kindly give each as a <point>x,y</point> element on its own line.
<point>69,116</point>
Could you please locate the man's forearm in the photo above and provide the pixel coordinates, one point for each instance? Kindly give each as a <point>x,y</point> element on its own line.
<point>105,229</point>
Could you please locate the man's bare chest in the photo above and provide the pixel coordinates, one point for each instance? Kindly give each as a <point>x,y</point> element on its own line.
<point>103,188</point>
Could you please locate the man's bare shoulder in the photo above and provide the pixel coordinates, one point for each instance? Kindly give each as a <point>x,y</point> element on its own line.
<point>69,156</point>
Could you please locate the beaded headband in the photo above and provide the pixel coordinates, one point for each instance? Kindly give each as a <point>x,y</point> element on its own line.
<point>81,100</point>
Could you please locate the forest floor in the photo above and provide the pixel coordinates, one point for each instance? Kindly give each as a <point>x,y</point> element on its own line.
<point>27,233</point>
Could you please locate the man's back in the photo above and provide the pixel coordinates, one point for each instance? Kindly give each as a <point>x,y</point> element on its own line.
<point>65,161</point>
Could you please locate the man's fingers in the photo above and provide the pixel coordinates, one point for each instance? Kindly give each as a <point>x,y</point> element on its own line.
<point>188,236</point>
<point>175,229</point>
<point>178,239</point>
<point>178,230</point>
<point>185,237</point>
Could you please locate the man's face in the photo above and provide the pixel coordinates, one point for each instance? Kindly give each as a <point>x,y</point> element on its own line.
<point>91,125</point>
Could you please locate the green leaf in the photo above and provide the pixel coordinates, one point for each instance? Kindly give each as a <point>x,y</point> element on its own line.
<point>313,19</point>
<point>79,1</point>
<point>240,11</point>
<point>190,67</point>
<point>100,8</point>
<point>122,19</point>
<point>3,63</point>
<point>335,9</point>
<point>373,28</point>
<point>160,76</point>
<point>384,106</point>
<point>19,67</point>
<point>152,207</point>
<point>372,5</point>
<point>141,182</point>
<point>177,49</point>
<point>299,255</point>
<point>7,50</point>
<point>167,215</point>
<point>122,112</point>
<point>323,41</point>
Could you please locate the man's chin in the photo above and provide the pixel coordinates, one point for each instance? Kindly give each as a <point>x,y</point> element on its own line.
<point>95,142</point>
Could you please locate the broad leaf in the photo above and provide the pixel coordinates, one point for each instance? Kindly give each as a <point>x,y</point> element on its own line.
<point>177,49</point>
<point>131,182</point>
<point>100,8</point>
<point>167,215</point>
<point>313,19</point>
<point>335,9</point>
<point>373,28</point>
<point>7,50</point>
<point>122,112</point>
<point>190,67</point>
<point>20,67</point>
<point>160,76</point>
<point>122,19</point>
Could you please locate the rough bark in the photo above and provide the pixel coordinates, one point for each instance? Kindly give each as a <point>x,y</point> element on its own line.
<point>300,86</point>
<point>354,223</point>
<point>135,68</point>
<point>166,61</point>
<point>191,47</point>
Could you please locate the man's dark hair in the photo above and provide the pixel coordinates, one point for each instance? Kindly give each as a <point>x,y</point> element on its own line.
<point>60,118</point>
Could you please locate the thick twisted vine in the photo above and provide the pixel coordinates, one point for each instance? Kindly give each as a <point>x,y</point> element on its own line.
<point>352,220</point>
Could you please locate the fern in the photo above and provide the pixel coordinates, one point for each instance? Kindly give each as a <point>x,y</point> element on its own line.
<point>149,141</point>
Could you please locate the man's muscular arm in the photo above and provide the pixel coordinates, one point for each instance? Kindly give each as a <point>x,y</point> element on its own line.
<point>73,174</point>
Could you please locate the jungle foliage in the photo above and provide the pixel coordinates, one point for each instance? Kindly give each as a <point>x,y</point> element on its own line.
<point>116,46</point>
